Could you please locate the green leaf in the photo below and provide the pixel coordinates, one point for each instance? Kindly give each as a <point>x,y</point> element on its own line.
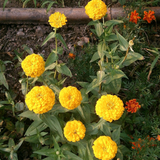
<point>116,135</point>
<point>93,31</point>
<point>23,83</point>
<point>123,149</point>
<point>18,56</point>
<point>25,2</point>
<point>52,122</point>
<point>113,74</point>
<point>125,137</point>
<point>101,48</point>
<point>44,3</point>
<point>38,125</point>
<point>2,66</point>
<point>92,85</point>
<point>27,49</point>
<point>99,29</point>
<point>100,76</point>
<point>59,50</point>
<point>56,146</point>
<point>109,38</point>
<point>17,146</point>
<point>48,158</point>
<point>3,80</point>
<point>34,138</point>
<point>122,41</point>
<point>9,125</point>
<point>85,113</point>
<point>113,87</point>
<point>95,128</point>
<point>153,64</point>
<point>50,67</point>
<point>19,127</point>
<point>131,57</point>
<point>95,57</point>
<point>122,2</point>
<point>4,4</point>
<point>92,129</point>
<point>19,106</point>
<point>108,30</point>
<point>59,109</point>
<point>62,68</point>
<point>59,37</point>
<point>119,154</point>
<point>30,115</point>
<point>113,22</point>
<point>153,51</point>
<point>84,95</point>
<point>50,5</point>
<point>51,59</point>
<point>105,128</point>
<point>50,36</point>
<point>55,88</point>
<point>47,152</point>
<point>13,156</point>
<point>11,144</point>
<point>92,23</point>
<point>83,84</point>
<point>72,156</point>
<point>35,3</point>
<point>5,149</point>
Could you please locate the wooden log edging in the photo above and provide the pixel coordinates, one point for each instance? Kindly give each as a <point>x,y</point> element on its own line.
<point>74,15</point>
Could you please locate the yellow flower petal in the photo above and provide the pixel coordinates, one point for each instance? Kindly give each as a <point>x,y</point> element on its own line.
<point>33,65</point>
<point>70,97</point>
<point>57,20</point>
<point>109,107</point>
<point>74,131</point>
<point>40,99</point>
<point>96,9</point>
<point>104,148</point>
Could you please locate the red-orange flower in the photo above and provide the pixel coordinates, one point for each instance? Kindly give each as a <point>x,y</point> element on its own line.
<point>71,55</point>
<point>158,137</point>
<point>132,106</point>
<point>149,16</point>
<point>134,17</point>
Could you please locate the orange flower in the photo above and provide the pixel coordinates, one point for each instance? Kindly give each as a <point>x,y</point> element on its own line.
<point>134,17</point>
<point>158,137</point>
<point>71,55</point>
<point>132,106</point>
<point>149,16</point>
<point>137,144</point>
<point>124,26</point>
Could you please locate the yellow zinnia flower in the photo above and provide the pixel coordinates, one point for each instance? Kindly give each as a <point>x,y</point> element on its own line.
<point>96,9</point>
<point>74,131</point>
<point>40,99</point>
<point>104,148</point>
<point>57,20</point>
<point>109,107</point>
<point>70,97</point>
<point>33,65</point>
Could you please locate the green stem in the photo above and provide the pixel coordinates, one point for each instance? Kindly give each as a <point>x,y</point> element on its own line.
<point>100,86</point>
<point>26,87</point>
<point>56,55</point>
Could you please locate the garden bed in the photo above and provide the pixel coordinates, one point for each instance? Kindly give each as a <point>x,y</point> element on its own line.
<point>131,131</point>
